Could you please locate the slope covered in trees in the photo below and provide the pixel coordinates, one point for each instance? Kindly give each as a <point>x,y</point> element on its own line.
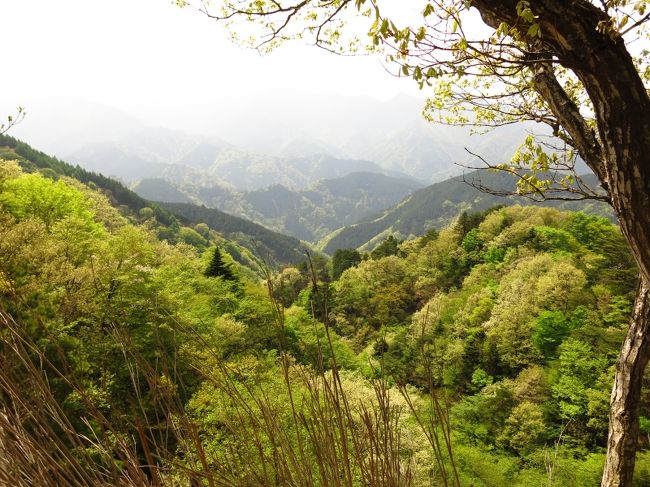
<point>109,331</point>
<point>436,206</point>
<point>31,159</point>
<point>273,247</point>
<point>158,189</point>
<point>518,314</point>
<point>98,302</point>
<point>307,214</point>
<point>252,240</point>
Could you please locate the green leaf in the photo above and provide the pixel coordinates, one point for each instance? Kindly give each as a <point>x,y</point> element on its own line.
<point>534,30</point>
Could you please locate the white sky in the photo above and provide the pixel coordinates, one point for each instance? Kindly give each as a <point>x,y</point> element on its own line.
<point>153,59</point>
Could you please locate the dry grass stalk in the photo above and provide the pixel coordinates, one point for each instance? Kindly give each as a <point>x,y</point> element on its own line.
<point>320,438</point>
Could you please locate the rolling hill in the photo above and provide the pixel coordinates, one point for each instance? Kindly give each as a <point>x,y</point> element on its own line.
<point>307,214</point>
<point>272,247</point>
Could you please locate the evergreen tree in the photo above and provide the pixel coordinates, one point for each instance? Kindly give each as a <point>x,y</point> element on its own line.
<point>390,246</point>
<point>344,259</point>
<point>219,268</point>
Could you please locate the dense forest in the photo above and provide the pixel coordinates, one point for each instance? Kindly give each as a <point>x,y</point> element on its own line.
<point>308,214</point>
<point>478,355</point>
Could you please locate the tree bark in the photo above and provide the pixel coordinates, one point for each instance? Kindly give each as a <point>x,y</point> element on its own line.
<point>626,392</point>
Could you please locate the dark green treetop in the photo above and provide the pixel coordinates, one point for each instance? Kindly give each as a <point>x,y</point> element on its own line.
<point>219,268</point>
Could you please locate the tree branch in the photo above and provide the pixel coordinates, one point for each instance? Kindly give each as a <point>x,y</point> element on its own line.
<point>13,120</point>
<point>553,190</point>
<point>568,114</point>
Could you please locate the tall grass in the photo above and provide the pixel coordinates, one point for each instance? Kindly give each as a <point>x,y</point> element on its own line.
<point>317,435</point>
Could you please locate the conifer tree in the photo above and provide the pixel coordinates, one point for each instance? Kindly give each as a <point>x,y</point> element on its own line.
<point>219,268</point>
<point>344,259</point>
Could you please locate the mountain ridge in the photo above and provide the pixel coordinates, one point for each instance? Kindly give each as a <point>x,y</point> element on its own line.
<point>437,205</point>
<point>307,214</point>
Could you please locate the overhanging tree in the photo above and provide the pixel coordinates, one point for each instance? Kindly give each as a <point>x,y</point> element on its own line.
<point>578,67</point>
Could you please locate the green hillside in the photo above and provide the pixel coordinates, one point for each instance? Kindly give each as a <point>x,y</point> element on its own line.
<point>31,159</point>
<point>307,214</point>
<point>437,206</point>
<point>158,189</point>
<point>272,247</point>
<point>252,239</point>
<point>329,204</point>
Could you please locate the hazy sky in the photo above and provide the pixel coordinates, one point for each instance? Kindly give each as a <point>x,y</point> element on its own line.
<point>158,61</point>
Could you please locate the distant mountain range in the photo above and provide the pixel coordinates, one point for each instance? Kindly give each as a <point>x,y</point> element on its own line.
<point>308,214</point>
<point>292,139</point>
<point>391,133</point>
<point>438,205</point>
<point>194,160</point>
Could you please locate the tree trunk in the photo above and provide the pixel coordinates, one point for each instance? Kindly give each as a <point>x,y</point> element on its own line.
<point>624,403</point>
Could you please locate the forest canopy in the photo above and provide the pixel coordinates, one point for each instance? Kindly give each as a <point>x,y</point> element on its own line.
<point>206,368</point>
<point>140,346</point>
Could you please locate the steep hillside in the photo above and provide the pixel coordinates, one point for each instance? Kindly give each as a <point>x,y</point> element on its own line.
<point>274,248</point>
<point>329,204</point>
<point>31,159</point>
<point>267,245</point>
<point>158,189</point>
<point>435,207</point>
